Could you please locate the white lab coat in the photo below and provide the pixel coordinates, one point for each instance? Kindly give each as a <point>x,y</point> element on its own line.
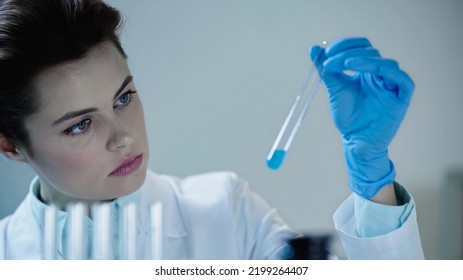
<point>211,216</point>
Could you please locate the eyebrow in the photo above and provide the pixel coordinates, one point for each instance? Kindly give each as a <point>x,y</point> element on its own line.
<point>73,114</point>
<point>126,81</point>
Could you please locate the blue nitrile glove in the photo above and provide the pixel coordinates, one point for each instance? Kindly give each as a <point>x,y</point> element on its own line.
<point>366,107</point>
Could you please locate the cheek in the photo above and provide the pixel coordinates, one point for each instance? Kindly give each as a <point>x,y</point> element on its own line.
<point>139,122</point>
<point>78,161</point>
<point>68,161</point>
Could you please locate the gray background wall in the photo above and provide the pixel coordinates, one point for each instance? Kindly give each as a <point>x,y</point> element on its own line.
<point>217,79</point>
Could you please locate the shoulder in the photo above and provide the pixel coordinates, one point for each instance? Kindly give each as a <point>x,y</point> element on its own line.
<point>211,182</point>
<point>205,189</point>
<point>19,232</point>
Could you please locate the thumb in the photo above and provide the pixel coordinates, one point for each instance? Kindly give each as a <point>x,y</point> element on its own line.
<point>318,57</point>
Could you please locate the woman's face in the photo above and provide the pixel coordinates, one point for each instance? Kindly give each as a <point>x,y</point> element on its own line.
<point>88,140</point>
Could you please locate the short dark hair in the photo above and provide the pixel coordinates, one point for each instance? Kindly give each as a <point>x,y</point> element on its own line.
<point>36,35</point>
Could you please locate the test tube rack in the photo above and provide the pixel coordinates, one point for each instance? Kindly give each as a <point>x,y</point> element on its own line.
<point>94,232</point>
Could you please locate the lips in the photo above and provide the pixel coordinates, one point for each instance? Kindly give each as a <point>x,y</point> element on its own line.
<point>129,165</point>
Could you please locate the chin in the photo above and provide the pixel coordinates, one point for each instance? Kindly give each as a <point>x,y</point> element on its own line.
<point>125,185</point>
<point>133,182</point>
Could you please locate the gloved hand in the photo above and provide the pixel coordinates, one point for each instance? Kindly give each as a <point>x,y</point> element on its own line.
<point>367,108</point>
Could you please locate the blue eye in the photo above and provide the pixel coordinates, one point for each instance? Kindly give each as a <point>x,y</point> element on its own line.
<point>79,128</point>
<point>124,99</point>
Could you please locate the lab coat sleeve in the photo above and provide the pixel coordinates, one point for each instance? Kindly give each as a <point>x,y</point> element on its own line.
<point>373,219</point>
<point>366,235</point>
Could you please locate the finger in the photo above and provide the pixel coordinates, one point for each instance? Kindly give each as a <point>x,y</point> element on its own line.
<point>388,71</point>
<point>395,76</point>
<point>346,44</point>
<point>317,55</point>
<point>337,63</point>
<point>369,64</point>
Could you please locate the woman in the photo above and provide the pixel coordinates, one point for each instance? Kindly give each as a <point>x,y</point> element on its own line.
<point>69,108</point>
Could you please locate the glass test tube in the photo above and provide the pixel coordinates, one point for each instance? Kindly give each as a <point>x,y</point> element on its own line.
<point>156,231</point>
<point>77,237</point>
<point>49,233</point>
<point>129,240</point>
<point>294,118</point>
<point>102,234</point>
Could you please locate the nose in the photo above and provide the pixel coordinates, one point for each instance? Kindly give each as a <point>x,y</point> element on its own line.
<point>120,137</point>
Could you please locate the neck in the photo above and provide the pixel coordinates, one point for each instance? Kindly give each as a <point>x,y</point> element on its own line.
<point>51,196</point>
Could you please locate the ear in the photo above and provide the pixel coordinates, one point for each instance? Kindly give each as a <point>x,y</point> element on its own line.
<point>9,150</point>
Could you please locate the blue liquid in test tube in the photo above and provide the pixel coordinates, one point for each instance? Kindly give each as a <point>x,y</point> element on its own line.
<point>276,159</point>
<point>294,119</point>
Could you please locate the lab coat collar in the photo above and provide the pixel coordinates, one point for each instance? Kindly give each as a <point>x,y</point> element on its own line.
<point>38,210</point>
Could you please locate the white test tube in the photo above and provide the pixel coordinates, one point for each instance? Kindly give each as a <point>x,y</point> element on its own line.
<point>156,231</point>
<point>129,230</point>
<point>102,233</point>
<point>77,237</point>
<point>49,233</point>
